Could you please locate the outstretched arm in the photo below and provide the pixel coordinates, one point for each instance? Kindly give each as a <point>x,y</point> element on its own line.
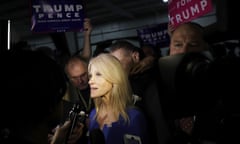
<point>87,51</point>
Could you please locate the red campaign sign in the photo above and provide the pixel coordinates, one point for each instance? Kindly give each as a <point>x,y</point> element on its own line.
<point>186,10</point>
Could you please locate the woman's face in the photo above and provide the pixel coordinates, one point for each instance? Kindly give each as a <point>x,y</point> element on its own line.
<point>100,87</point>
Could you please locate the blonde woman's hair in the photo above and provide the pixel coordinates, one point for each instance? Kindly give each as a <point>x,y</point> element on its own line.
<point>121,94</point>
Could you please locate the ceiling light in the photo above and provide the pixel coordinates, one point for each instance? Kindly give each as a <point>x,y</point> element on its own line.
<point>165,1</point>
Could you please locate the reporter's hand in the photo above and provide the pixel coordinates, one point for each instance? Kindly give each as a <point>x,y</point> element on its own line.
<point>186,124</point>
<point>60,133</point>
<point>76,134</point>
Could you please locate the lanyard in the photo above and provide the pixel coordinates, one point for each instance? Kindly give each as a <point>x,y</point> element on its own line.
<point>87,106</point>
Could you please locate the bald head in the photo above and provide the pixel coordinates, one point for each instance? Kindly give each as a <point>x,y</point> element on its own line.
<point>76,70</point>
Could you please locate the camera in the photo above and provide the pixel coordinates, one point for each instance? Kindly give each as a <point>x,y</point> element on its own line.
<point>182,76</point>
<point>196,84</point>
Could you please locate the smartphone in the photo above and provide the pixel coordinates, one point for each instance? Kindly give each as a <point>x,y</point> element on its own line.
<point>132,139</point>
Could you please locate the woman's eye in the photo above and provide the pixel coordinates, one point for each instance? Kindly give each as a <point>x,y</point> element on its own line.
<point>89,76</point>
<point>98,74</point>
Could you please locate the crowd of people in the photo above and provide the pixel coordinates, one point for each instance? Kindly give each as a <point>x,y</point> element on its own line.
<point>118,90</point>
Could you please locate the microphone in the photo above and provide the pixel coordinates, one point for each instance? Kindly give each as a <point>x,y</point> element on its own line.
<point>75,115</point>
<point>96,136</point>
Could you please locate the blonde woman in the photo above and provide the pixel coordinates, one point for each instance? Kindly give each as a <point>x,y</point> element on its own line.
<point>114,112</point>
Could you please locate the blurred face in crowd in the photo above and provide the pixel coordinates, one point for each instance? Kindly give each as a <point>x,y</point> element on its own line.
<point>127,59</point>
<point>187,38</point>
<point>98,84</point>
<point>148,51</point>
<point>78,74</point>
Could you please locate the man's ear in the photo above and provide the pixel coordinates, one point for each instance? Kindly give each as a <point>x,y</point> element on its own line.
<point>136,57</point>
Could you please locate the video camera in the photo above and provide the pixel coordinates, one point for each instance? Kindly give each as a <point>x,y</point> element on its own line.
<point>182,78</point>
<point>202,85</point>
